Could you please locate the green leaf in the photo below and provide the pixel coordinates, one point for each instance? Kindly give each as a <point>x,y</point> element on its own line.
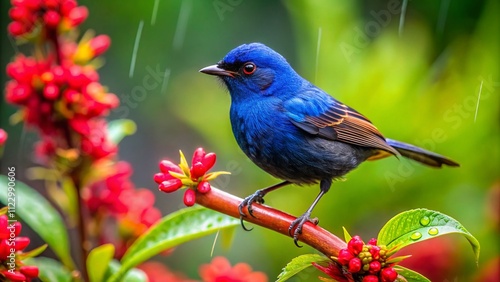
<point>177,228</point>
<point>298,264</point>
<point>119,128</point>
<point>39,214</point>
<point>416,225</point>
<point>33,253</point>
<point>51,270</point>
<point>410,275</point>
<point>347,236</point>
<point>98,261</point>
<point>133,275</point>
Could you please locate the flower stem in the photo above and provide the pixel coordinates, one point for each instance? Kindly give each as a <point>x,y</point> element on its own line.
<point>273,219</point>
<point>82,230</point>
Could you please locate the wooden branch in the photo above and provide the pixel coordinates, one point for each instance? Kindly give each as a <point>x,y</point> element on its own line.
<point>273,219</point>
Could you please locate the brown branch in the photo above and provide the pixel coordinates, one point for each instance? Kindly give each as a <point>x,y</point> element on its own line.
<point>273,219</point>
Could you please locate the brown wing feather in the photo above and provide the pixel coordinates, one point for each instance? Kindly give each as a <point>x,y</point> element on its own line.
<point>352,127</point>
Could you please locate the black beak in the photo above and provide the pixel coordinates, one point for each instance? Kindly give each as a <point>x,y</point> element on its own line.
<point>216,70</point>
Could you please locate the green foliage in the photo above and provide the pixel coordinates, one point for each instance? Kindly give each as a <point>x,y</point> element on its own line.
<point>410,275</point>
<point>298,264</point>
<point>174,229</point>
<point>417,225</point>
<point>132,275</point>
<point>98,261</point>
<point>39,214</point>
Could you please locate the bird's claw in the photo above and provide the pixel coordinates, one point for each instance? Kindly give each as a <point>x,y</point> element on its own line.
<point>257,197</point>
<point>295,228</point>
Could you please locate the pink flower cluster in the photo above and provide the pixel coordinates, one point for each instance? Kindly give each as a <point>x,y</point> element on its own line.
<point>173,177</point>
<point>367,261</point>
<point>116,198</point>
<point>59,88</point>
<point>63,14</point>
<point>11,247</point>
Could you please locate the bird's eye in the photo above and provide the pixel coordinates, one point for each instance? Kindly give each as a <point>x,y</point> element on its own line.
<point>249,68</point>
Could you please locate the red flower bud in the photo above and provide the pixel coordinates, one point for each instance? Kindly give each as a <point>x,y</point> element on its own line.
<point>354,265</point>
<point>160,177</point>
<point>189,197</point>
<point>51,4</point>
<point>67,6</point>
<point>166,166</point>
<point>78,15</point>
<point>204,187</point>
<point>14,276</point>
<point>374,267</point>
<point>344,257</point>
<point>17,93</point>
<point>198,156</point>
<point>100,44</point>
<point>22,243</point>
<point>209,161</point>
<point>51,91</point>
<point>16,28</point>
<point>171,185</point>
<point>370,278</point>
<point>3,138</point>
<point>355,245</point>
<point>76,78</point>
<point>59,75</point>
<point>17,228</point>
<point>29,270</point>
<point>32,4</point>
<point>197,171</point>
<point>51,18</point>
<point>375,251</point>
<point>373,242</point>
<point>4,249</point>
<point>388,274</point>
<point>18,13</point>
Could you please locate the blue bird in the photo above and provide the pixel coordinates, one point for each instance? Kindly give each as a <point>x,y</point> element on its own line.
<point>297,132</point>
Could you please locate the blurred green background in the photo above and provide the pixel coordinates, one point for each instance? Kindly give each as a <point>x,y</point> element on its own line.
<point>418,82</point>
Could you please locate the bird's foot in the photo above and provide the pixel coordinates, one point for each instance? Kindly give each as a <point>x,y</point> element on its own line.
<point>257,197</point>
<point>295,228</point>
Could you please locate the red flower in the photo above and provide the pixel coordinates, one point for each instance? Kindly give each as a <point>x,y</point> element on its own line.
<point>355,245</point>
<point>220,270</point>
<point>388,274</point>
<point>370,278</point>
<point>189,197</point>
<point>3,137</point>
<point>366,262</point>
<point>173,177</point>
<point>47,14</point>
<point>11,247</point>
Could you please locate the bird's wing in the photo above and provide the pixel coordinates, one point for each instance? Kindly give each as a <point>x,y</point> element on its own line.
<point>333,120</point>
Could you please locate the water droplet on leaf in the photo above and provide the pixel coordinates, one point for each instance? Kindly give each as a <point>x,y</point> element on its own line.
<point>416,236</point>
<point>433,231</point>
<point>425,221</point>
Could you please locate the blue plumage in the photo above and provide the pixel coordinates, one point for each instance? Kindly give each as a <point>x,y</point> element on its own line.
<point>296,131</point>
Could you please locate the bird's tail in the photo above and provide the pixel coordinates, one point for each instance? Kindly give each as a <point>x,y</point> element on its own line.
<point>420,155</point>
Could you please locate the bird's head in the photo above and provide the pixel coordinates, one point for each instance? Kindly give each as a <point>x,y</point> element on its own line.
<point>252,70</point>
